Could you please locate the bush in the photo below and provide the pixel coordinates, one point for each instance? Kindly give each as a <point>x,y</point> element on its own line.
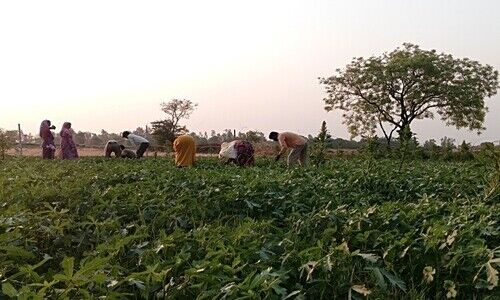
<point>6,142</point>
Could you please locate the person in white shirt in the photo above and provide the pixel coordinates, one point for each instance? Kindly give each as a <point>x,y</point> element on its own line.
<point>139,141</point>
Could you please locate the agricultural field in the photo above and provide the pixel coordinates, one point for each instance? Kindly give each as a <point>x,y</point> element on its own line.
<point>352,228</point>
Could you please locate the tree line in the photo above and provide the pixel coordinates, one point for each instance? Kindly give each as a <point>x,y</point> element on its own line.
<point>385,93</point>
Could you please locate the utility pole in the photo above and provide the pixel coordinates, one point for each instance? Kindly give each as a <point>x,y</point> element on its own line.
<point>20,139</point>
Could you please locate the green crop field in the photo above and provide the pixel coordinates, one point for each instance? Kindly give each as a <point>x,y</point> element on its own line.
<point>349,229</point>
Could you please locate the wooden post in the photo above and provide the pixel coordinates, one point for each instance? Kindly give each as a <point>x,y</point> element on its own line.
<point>20,140</point>
<point>234,130</point>
<point>146,136</point>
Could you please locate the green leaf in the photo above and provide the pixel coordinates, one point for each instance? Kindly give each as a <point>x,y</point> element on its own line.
<point>380,278</point>
<point>394,280</point>
<point>68,264</point>
<point>9,290</point>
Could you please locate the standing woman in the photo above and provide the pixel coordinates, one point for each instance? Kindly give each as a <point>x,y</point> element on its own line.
<point>48,146</point>
<point>68,147</point>
<point>185,151</point>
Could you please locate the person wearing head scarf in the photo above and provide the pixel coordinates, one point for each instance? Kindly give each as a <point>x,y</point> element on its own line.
<point>185,151</point>
<point>48,146</point>
<point>239,152</point>
<point>68,146</point>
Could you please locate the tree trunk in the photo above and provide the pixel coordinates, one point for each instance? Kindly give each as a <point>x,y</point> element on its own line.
<point>405,133</point>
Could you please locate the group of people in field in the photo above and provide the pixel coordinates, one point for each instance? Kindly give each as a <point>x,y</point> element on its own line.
<point>68,146</point>
<point>239,152</point>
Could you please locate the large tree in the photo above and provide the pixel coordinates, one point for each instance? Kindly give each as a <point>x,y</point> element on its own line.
<point>165,130</point>
<point>392,90</point>
<point>177,109</point>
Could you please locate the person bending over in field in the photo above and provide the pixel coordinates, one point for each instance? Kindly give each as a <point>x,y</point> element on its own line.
<point>296,143</point>
<point>112,146</point>
<point>139,141</point>
<point>127,153</point>
<point>185,151</point>
<point>239,152</point>
<point>48,146</point>
<point>68,146</point>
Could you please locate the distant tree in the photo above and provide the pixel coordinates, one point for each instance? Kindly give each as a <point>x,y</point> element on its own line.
<point>95,141</point>
<point>448,143</point>
<point>392,90</point>
<point>227,135</point>
<point>80,138</point>
<point>255,136</point>
<point>6,142</point>
<point>214,138</point>
<point>177,110</point>
<point>104,136</point>
<point>465,152</point>
<point>165,130</point>
<point>430,144</point>
<point>447,146</point>
<point>200,139</point>
<point>144,132</point>
<point>340,143</point>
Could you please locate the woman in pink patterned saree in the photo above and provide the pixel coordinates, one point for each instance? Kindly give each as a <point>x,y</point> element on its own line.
<point>68,146</point>
<point>48,146</point>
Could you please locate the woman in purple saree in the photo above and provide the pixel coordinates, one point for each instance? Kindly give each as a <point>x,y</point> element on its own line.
<point>48,146</point>
<point>68,146</point>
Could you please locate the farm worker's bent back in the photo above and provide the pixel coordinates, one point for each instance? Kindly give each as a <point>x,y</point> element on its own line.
<point>139,141</point>
<point>185,151</point>
<point>296,143</point>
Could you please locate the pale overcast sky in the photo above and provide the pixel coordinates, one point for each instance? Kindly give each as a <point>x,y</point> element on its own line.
<point>248,64</point>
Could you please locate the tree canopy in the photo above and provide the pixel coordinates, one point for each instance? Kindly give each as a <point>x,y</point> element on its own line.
<point>392,90</point>
<point>165,130</point>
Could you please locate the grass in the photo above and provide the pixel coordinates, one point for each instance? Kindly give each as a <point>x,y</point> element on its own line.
<point>145,229</point>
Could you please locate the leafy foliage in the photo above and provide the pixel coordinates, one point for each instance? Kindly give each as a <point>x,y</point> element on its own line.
<point>144,229</point>
<point>165,130</point>
<point>319,148</point>
<point>6,142</point>
<point>392,90</point>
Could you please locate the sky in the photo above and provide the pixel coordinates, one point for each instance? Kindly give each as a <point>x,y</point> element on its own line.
<point>250,65</point>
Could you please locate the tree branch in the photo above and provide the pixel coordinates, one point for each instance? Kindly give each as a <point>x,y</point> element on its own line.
<point>387,116</point>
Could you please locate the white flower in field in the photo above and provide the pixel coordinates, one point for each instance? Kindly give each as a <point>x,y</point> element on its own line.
<point>343,247</point>
<point>450,286</point>
<point>492,274</point>
<point>428,272</point>
<point>362,289</point>
<point>452,293</point>
<point>309,269</point>
<point>227,288</point>
<point>451,237</point>
<point>112,283</point>
<point>158,249</point>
